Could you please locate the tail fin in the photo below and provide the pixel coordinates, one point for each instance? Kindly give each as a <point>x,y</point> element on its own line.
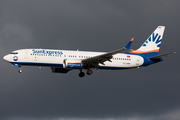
<point>152,45</point>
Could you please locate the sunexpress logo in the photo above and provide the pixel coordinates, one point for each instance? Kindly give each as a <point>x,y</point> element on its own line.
<point>15,58</point>
<point>47,52</point>
<point>155,39</point>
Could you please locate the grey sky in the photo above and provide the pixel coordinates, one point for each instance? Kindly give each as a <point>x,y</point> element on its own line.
<point>96,25</point>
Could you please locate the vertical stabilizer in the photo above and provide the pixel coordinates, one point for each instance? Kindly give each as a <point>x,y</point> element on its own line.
<point>152,45</point>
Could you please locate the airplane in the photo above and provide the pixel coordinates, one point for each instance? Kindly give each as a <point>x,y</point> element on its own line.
<point>63,61</point>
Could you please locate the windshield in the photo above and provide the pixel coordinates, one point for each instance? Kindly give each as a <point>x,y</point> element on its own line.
<point>14,53</point>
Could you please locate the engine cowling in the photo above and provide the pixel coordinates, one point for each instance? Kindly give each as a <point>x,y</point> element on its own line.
<point>74,64</point>
<point>59,70</point>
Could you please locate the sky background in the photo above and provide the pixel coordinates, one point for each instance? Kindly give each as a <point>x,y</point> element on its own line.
<point>148,93</point>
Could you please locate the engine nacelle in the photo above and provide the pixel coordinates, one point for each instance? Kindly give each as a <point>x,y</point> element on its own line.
<point>74,64</point>
<point>59,70</point>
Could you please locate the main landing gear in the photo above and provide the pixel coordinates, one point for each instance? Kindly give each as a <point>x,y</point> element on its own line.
<point>82,74</point>
<point>89,72</point>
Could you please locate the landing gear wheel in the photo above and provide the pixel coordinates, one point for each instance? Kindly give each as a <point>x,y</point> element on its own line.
<point>20,71</point>
<point>81,74</point>
<point>89,72</point>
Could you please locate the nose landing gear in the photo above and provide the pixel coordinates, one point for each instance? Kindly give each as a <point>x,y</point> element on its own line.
<point>20,70</point>
<point>18,65</point>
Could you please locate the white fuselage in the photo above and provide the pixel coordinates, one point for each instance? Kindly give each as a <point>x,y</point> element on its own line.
<point>62,61</point>
<point>49,57</point>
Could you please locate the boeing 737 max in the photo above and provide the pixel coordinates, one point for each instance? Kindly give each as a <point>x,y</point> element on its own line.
<point>62,61</point>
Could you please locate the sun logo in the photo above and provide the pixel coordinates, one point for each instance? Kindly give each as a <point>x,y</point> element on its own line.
<point>153,40</point>
<point>15,58</point>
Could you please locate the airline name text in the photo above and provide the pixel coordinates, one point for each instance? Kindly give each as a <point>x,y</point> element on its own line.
<point>47,52</point>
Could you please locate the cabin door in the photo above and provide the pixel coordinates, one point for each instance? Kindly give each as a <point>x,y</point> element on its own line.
<point>26,54</point>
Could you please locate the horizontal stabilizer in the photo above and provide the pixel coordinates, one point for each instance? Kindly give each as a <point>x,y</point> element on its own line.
<point>161,56</point>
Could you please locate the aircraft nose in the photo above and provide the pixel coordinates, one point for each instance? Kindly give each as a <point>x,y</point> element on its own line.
<point>5,58</point>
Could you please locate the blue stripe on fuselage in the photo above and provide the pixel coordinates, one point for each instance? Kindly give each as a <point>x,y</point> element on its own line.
<point>61,65</point>
<point>113,68</point>
<point>37,64</point>
<point>145,56</point>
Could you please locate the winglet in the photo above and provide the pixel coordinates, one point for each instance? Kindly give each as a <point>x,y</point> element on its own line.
<point>129,44</point>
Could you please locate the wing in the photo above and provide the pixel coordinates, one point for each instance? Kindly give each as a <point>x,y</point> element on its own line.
<point>94,61</point>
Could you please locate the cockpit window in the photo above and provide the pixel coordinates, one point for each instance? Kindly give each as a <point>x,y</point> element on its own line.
<point>14,53</point>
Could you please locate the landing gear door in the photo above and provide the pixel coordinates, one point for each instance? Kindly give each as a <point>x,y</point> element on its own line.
<point>26,54</point>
